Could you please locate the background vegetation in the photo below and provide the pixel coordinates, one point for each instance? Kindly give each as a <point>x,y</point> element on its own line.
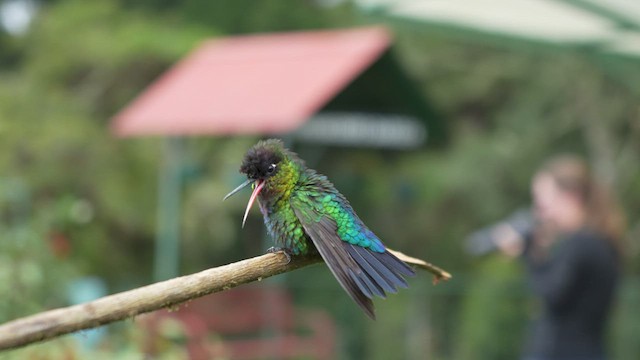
<point>75,201</point>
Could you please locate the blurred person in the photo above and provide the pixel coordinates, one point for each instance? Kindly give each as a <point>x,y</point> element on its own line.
<point>571,248</point>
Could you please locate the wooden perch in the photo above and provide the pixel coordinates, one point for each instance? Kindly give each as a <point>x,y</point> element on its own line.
<point>54,323</point>
<point>438,274</point>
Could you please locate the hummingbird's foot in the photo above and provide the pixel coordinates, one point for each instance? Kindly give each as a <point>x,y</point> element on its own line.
<point>275,249</point>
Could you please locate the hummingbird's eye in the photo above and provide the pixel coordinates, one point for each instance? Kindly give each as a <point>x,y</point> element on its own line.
<point>271,168</point>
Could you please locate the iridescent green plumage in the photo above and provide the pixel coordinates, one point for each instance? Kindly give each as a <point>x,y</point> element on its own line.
<point>304,213</point>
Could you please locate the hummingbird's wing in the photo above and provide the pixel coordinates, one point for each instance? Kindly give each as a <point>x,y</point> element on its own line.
<point>361,271</point>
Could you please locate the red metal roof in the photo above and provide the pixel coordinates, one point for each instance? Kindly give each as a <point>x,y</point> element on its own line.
<point>269,83</point>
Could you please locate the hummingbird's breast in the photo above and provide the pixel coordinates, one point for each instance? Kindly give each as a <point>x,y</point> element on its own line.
<point>284,227</point>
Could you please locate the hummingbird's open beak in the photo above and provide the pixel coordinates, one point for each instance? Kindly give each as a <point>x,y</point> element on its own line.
<point>259,184</point>
<point>242,186</point>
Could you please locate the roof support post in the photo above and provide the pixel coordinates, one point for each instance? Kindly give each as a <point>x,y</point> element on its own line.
<point>167,246</point>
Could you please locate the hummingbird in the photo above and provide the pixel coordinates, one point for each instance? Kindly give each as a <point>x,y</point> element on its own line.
<point>305,214</point>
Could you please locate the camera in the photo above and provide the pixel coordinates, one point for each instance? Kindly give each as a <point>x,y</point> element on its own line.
<point>482,242</point>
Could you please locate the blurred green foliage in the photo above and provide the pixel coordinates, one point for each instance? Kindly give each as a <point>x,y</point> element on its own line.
<point>79,66</point>
<point>77,201</point>
<point>493,303</point>
<point>31,276</point>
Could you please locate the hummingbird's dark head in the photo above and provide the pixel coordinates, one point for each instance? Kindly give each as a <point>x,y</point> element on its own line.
<point>271,170</point>
<point>262,160</point>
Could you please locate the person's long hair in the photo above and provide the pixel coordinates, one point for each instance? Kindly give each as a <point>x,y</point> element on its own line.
<point>571,173</point>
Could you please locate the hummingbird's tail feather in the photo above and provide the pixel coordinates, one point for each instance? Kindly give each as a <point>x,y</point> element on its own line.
<point>343,267</point>
<point>385,269</point>
<point>368,287</point>
<point>373,270</point>
<point>396,264</point>
<point>377,284</point>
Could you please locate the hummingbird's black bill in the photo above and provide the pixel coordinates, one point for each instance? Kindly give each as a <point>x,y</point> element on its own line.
<point>258,185</point>
<point>242,186</point>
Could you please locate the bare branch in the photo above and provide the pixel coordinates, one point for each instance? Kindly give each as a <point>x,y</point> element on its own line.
<point>54,323</point>
<point>438,274</point>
